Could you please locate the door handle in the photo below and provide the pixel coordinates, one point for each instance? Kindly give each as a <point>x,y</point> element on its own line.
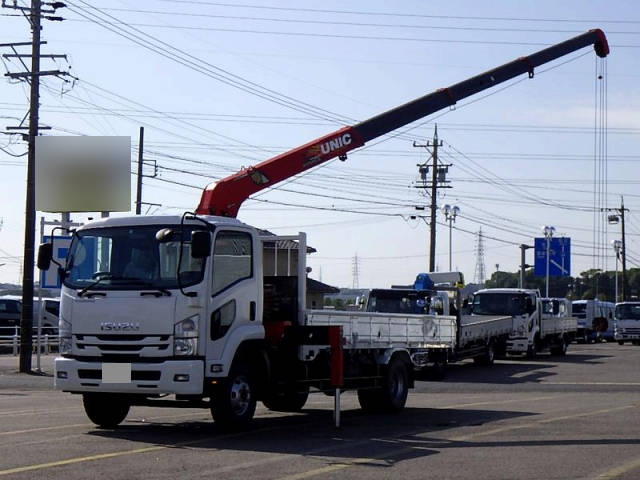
<point>252,311</point>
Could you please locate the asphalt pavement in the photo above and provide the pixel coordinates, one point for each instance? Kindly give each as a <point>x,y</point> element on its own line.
<point>573,417</point>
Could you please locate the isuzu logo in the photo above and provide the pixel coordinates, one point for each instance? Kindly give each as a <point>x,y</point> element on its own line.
<point>120,326</point>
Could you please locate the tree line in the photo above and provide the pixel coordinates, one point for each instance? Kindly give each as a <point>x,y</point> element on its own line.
<point>589,284</point>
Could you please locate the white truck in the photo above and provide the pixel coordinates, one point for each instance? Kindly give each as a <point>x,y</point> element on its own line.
<point>535,325</point>
<point>178,311</point>
<point>477,337</point>
<point>218,333</point>
<point>627,323</point>
<point>595,319</point>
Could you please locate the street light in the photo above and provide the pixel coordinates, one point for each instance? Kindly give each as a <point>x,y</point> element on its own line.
<point>548,232</point>
<point>450,214</point>
<point>617,246</point>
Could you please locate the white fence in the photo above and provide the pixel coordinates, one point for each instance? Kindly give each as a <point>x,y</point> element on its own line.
<point>10,340</point>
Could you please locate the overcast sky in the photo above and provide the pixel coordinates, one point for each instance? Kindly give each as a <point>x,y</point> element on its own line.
<point>218,86</point>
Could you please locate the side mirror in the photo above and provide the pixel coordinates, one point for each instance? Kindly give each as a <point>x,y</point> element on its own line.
<point>45,254</point>
<point>200,244</point>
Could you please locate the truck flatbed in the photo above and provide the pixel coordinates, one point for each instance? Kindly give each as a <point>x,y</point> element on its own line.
<point>388,330</point>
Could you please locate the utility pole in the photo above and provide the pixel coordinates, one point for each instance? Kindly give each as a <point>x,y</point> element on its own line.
<point>615,218</point>
<point>26,321</point>
<point>139,190</point>
<point>523,264</point>
<point>438,180</point>
<point>32,76</point>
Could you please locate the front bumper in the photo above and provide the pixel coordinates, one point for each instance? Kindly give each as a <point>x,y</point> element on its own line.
<point>518,345</point>
<point>626,336</point>
<point>184,377</point>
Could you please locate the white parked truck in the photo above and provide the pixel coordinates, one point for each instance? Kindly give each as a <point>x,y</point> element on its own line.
<point>627,323</point>
<point>533,330</point>
<point>477,337</point>
<point>201,321</point>
<point>178,311</point>
<point>595,319</point>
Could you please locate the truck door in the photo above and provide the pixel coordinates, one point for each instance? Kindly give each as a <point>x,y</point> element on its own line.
<point>233,303</point>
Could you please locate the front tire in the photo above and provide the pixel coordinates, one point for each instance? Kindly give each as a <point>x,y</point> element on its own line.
<point>620,342</point>
<point>234,401</point>
<point>488,357</point>
<point>105,410</point>
<point>560,349</point>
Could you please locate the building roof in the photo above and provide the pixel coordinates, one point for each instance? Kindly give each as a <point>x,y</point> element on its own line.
<point>314,286</point>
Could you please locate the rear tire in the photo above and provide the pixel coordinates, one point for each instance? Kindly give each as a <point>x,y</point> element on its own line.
<point>234,401</point>
<point>104,409</point>
<point>289,400</point>
<point>392,395</point>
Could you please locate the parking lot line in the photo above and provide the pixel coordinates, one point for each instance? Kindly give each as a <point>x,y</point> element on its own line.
<point>507,428</point>
<point>135,451</point>
<point>361,461</point>
<point>619,471</point>
<point>70,461</point>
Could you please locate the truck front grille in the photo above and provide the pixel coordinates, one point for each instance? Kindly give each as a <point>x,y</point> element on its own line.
<point>135,346</point>
<point>136,375</point>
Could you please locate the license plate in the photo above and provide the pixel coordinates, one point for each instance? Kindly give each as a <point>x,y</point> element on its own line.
<point>116,373</point>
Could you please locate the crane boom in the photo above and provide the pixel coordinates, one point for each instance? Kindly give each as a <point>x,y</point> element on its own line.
<point>225,196</point>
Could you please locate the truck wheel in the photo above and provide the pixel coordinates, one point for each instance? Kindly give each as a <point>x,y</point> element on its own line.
<point>620,342</point>
<point>392,395</point>
<point>532,351</point>
<point>289,400</point>
<point>560,348</point>
<point>234,401</point>
<point>488,357</point>
<point>105,410</point>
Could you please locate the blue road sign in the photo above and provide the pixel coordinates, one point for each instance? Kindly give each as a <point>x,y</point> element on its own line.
<point>559,257</point>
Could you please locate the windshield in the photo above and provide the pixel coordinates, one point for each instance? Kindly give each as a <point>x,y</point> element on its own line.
<point>499,304</point>
<point>398,301</point>
<point>129,258</point>
<point>628,311</point>
<point>580,310</point>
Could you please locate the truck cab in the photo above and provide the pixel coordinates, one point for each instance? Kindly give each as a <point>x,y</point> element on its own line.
<point>522,305</point>
<point>627,322</point>
<point>408,301</point>
<point>595,319</point>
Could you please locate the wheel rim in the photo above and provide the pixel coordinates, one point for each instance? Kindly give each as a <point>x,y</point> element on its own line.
<point>240,395</point>
<point>490,354</point>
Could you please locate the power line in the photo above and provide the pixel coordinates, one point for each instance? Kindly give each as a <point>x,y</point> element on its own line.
<point>394,14</point>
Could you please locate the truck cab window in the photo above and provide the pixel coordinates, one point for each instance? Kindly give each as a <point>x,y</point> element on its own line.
<point>232,259</point>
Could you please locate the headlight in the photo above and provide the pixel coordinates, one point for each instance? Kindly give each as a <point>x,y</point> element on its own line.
<point>64,334</point>
<point>185,336</point>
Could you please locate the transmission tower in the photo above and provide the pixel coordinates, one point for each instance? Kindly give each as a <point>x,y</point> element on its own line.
<point>355,267</point>
<point>480,270</point>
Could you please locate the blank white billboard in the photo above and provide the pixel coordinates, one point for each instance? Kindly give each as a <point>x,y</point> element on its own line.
<point>83,174</point>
